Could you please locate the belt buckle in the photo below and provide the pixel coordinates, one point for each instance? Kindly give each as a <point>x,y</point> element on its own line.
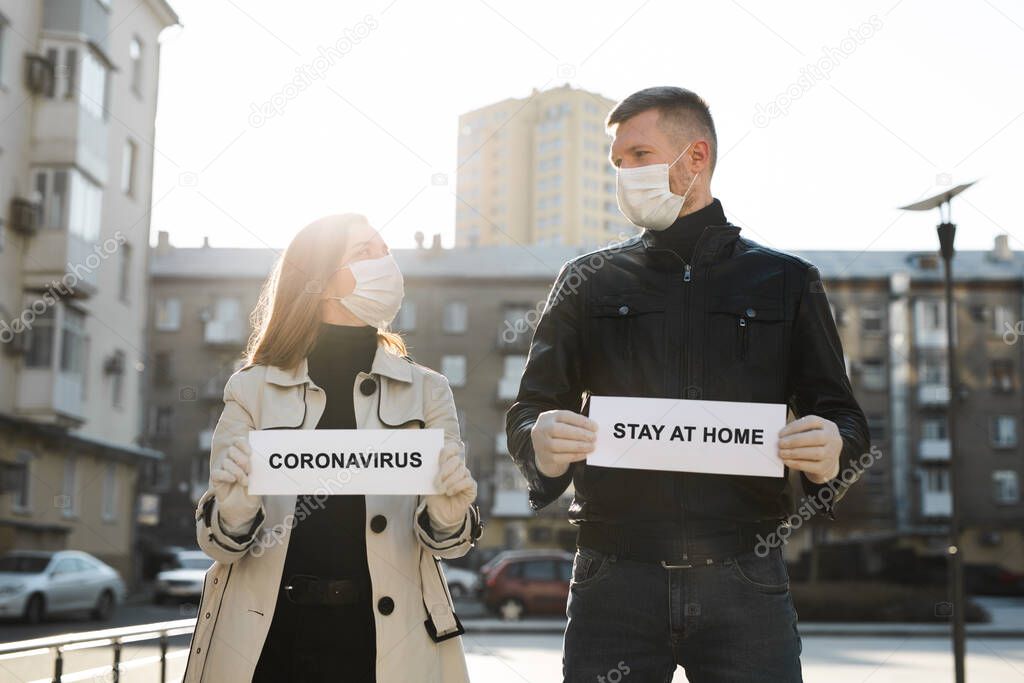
<point>671,565</point>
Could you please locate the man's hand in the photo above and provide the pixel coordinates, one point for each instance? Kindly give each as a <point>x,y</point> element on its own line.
<point>560,438</point>
<point>812,444</point>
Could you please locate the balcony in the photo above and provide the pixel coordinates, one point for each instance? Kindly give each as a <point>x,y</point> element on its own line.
<point>933,450</point>
<point>51,395</point>
<point>89,18</point>
<point>63,256</point>
<point>65,133</point>
<point>508,389</point>
<point>933,394</point>
<point>206,439</point>
<point>936,503</point>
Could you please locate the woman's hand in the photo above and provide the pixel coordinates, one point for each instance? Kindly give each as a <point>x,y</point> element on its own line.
<point>230,481</point>
<point>448,509</point>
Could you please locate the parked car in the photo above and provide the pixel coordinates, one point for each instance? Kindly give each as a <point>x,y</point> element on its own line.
<point>462,583</point>
<point>533,582</point>
<point>183,578</point>
<point>34,585</point>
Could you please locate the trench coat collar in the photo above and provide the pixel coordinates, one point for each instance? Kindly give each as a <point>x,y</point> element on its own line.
<point>385,364</point>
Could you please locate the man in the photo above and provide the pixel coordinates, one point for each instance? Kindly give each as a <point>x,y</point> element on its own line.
<point>666,573</point>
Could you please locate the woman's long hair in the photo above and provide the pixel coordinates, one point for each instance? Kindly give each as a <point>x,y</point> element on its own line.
<point>286,320</point>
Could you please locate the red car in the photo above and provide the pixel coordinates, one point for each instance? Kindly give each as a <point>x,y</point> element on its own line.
<point>527,582</point>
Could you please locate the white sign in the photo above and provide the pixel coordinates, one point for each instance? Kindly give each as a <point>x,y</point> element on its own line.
<point>717,437</point>
<point>345,461</point>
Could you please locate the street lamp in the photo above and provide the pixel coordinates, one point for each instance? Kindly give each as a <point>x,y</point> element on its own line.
<point>947,231</point>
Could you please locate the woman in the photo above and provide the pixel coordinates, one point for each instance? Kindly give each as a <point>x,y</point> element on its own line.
<point>330,587</point>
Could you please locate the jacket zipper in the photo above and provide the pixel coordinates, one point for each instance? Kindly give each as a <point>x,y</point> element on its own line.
<point>744,336</point>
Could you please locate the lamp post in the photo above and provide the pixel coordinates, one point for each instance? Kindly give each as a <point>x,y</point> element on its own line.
<point>947,231</point>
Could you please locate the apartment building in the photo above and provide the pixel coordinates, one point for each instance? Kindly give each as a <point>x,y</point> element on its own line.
<point>535,170</point>
<point>470,312</point>
<point>78,92</point>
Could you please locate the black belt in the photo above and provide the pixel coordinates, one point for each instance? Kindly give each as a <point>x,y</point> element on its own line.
<point>302,589</point>
<point>696,549</point>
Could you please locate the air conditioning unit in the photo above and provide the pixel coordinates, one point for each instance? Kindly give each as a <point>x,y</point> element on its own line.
<point>39,75</point>
<point>26,215</point>
<point>13,342</point>
<point>114,365</point>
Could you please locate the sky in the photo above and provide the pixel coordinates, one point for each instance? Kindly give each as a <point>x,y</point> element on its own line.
<point>830,115</point>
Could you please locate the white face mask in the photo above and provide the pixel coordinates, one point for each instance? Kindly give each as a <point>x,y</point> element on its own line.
<point>644,195</point>
<point>378,292</point>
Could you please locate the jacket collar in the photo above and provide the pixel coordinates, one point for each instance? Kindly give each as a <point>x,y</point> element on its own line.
<point>711,242</point>
<point>385,364</point>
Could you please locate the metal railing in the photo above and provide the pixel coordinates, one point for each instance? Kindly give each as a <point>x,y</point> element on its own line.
<point>114,638</point>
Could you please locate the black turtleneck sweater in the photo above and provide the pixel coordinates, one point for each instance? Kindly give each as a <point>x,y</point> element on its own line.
<point>322,642</point>
<point>681,237</point>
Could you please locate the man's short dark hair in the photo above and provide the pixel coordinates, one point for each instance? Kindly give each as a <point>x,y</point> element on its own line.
<point>682,110</point>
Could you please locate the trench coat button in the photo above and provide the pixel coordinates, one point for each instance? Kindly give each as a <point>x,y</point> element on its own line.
<point>367,387</point>
<point>378,523</point>
<point>751,313</point>
<point>198,650</point>
<point>386,605</point>
<point>623,310</point>
<point>215,580</point>
<point>207,615</point>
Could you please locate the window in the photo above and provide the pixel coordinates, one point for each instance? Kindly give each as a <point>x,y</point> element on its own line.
<point>39,352</point>
<point>454,368</point>
<point>135,70</point>
<point>168,315</point>
<point>225,325</point>
<point>454,319</point>
<point>1006,487</point>
<point>871,320</point>
<point>1003,320</point>
<point>933,315</point>
<point>92,92</point>
<point>933,428</point>
<point>124,275</point>
<point>936,480</point>
<point>162,421</point>
<point>876,426</point>
<point>117,379</point>
<point>20,482</point>
<point>933,371</point>
<point>3,49</point>
<point>1004,431</point>
<point>67,501</point>
<point>514,366</point>
<point>518,322</point>
<point>129,154</point>
<point>162,375</point>
<point>70,202</point>
<point>109,503</point>
<point>405,321</point>
<point>72,345</point>
<point>539,570</point>
<point>872,374</point>
<point>1001,374</point>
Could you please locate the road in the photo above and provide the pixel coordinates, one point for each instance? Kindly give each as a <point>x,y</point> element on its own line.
<point>536,658</point>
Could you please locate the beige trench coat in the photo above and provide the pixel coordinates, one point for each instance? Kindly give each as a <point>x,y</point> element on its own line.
<point>241,588</point>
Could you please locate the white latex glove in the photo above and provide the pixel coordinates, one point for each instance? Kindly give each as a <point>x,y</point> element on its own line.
<point>448,509</point>
<point>560,438</point>
<point>230,481</point>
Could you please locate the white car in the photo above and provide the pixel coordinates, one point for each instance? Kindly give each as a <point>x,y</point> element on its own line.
<point>35,584</point>
<point>185,579</point>
<point>462,583</point>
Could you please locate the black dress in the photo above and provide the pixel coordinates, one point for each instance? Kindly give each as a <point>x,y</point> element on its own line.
<point>312,643</point>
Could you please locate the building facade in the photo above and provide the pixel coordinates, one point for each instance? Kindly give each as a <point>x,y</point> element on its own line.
<point>535,171</point>
<point>78,88</point>
<point>470,313</point>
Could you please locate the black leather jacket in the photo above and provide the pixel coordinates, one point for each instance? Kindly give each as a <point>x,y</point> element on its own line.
<point>740,323</point>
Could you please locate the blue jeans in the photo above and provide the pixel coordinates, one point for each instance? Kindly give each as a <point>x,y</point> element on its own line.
<point>637,621</point>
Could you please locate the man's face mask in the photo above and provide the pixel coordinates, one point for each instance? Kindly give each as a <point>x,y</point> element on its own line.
<point>644,195</point>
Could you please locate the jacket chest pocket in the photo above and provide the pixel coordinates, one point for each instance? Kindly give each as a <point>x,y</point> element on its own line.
<point>747,330</point>
<point>627,323</point>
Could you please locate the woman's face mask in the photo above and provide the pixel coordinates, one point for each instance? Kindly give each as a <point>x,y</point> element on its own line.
<point>378,293</point>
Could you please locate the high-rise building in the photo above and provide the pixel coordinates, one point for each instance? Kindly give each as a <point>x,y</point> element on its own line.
<point>78,92</point>
<point>536,171</point>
